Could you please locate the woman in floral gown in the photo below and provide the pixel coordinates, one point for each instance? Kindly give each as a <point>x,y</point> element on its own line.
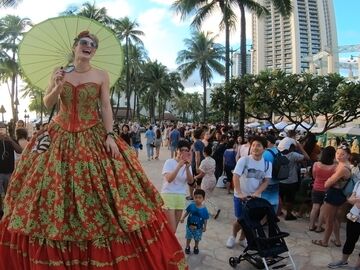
<point>85,203</point>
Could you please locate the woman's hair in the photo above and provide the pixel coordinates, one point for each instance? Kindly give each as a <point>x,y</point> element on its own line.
<point>345,147</point>
<point>328,155</point>
<point>87,34</point>
<point>125,125</point>
<point>355,159</point>
<point>158,133</point>
<point>21,133</point>
<point>183,143</point>
<point>310,143</point>
<point>230,144</point>
<point>208,150</point>
<point>197,133</point>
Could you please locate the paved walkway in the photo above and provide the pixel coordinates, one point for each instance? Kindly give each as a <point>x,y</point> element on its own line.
<point>213,253</point>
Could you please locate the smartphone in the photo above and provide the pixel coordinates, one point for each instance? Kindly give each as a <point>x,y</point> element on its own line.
<point>186,156</point>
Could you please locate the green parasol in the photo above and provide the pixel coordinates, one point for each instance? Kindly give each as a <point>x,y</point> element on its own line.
<point>49,45</point>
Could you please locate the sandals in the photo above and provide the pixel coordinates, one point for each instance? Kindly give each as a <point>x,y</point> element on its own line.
<point>312,229</point>
<point>334,242</point>
<point>319,243</point>
<point>319,231</point>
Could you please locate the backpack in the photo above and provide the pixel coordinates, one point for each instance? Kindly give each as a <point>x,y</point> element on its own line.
<point>281,166</point>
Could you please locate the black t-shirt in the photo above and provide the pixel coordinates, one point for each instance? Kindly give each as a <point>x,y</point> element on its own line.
<point>7,157</point>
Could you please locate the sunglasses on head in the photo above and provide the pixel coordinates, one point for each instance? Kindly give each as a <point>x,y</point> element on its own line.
<point>85,42</point>
<point>343,147</point>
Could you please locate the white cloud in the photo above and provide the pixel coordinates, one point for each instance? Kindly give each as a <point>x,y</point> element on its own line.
<point>157,38</point>
<point>116,8</point>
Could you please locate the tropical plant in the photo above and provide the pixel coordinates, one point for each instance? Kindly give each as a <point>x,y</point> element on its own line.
<point>202,9</point>
<point>125,30</point>
<point>89,10</point>
<point>12,29</point>
<point>203,54</point>
<point>9,3</point>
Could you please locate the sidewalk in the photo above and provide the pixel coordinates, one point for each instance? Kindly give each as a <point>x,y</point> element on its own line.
<point>213,253</point>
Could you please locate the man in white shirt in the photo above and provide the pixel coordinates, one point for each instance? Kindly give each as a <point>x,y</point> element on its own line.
<point>250,177</point>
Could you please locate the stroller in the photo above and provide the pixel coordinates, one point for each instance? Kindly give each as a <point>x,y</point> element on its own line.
<point>264,249</point>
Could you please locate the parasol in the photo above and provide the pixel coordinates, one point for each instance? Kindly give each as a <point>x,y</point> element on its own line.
<point>49,45</point>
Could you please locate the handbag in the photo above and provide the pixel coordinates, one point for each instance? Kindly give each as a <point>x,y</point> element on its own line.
<point>349,186</point>
<point>43,140</point>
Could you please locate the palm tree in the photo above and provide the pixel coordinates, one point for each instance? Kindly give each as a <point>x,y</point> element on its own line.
<point>9,3</point>
<point>202,10</point>
<point>91,11</point>
<point>202,54</point>
<point>126,30</point>
<point>11,32</point>
<point>284,7</point>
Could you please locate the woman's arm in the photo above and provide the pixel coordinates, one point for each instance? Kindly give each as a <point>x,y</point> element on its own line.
<point>54,89</point>
<point>340,172</point>
<point>170,176</point>
<point>106,111</point>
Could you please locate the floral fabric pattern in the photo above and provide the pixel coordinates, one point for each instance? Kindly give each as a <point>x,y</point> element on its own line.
<point>75,205</point>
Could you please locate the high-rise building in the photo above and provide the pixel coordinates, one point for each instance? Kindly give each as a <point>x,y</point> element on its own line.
<point>236,64</point>
<point>306,41</point>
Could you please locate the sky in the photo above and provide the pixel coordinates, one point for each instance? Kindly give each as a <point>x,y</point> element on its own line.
<point>165,31</point>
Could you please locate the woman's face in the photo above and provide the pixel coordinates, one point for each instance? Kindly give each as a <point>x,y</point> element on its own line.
<point>207,136</point>
<point>239,139</point>
<point>85,48</point>
<point>182,150</point>
<point>125,129</point>
<point>342,155</point>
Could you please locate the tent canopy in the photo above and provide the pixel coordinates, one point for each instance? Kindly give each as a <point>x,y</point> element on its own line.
<point>303,127</point>
<point>253,125</point>
<point>345,131</point>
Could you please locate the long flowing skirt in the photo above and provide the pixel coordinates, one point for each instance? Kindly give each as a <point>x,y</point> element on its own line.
<point>74,207</point>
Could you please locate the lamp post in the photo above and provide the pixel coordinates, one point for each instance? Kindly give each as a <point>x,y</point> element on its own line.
<point>2,111</point>
<point>26,117</point>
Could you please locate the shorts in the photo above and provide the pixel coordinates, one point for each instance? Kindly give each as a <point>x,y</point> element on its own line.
<point>238,207</point>
<point>173,148</point>
<point>4,182</point>
<point>137,146</point>
<point>288,192</point>
<point>317,196</point>
<point>174,201</point>
<point>195,234</point>
<point>334,196</point>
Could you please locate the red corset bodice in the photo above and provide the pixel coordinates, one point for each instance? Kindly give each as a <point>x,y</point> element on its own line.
<point>78,106</point>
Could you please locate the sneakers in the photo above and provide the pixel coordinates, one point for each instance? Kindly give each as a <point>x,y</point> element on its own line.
<point>196,250</point>
<point>243,243</point>
<point>230,243</point>
<point>337,264</point>
<point>187,250</point>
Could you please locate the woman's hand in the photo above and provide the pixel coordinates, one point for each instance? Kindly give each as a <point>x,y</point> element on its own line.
<point>111,147</point>
<point>59,78</point>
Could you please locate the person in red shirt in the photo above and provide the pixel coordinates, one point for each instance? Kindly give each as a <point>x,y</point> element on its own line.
<point>321,171</point>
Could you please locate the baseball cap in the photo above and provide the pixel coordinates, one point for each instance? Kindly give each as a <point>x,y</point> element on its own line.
<point>282,134</point>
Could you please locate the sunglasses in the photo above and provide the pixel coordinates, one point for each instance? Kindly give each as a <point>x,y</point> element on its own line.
<point>343,147</point>
<point>85,42</point>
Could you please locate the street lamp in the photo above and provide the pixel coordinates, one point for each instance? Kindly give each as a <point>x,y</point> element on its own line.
<point>2,111</point>
<point>26,117</point>
<point>351,61</point>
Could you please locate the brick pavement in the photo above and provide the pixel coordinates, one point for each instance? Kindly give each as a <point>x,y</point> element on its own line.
<point>213,253</point>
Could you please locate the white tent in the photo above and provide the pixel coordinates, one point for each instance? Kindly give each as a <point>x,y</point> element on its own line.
<point>280,126</point>
<point>298,128</point>
<point>253,125</point>
<point>345,131</point>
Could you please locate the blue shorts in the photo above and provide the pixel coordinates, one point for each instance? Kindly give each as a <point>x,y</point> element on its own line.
<point>238,207</point>
<point>193,234</point>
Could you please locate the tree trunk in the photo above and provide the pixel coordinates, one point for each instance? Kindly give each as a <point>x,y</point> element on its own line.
<point>243,68</point>
<point>127,79</point>
<point>204,102</point>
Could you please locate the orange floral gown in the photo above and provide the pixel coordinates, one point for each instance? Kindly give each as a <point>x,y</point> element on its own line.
<point>74,207</point>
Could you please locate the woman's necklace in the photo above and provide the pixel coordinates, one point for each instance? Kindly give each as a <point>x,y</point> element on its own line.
<point>82,71</point>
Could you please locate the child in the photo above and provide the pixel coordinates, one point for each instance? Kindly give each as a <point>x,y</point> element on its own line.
<point>197,220</point>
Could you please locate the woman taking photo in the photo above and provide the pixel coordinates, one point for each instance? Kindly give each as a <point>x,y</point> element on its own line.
<point>334,197</point>
<point>177,175</point>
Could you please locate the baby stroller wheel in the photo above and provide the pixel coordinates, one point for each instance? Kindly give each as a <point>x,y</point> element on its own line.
<point>233,262</point>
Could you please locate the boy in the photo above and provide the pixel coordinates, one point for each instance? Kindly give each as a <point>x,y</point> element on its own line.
<point>197,220</point>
